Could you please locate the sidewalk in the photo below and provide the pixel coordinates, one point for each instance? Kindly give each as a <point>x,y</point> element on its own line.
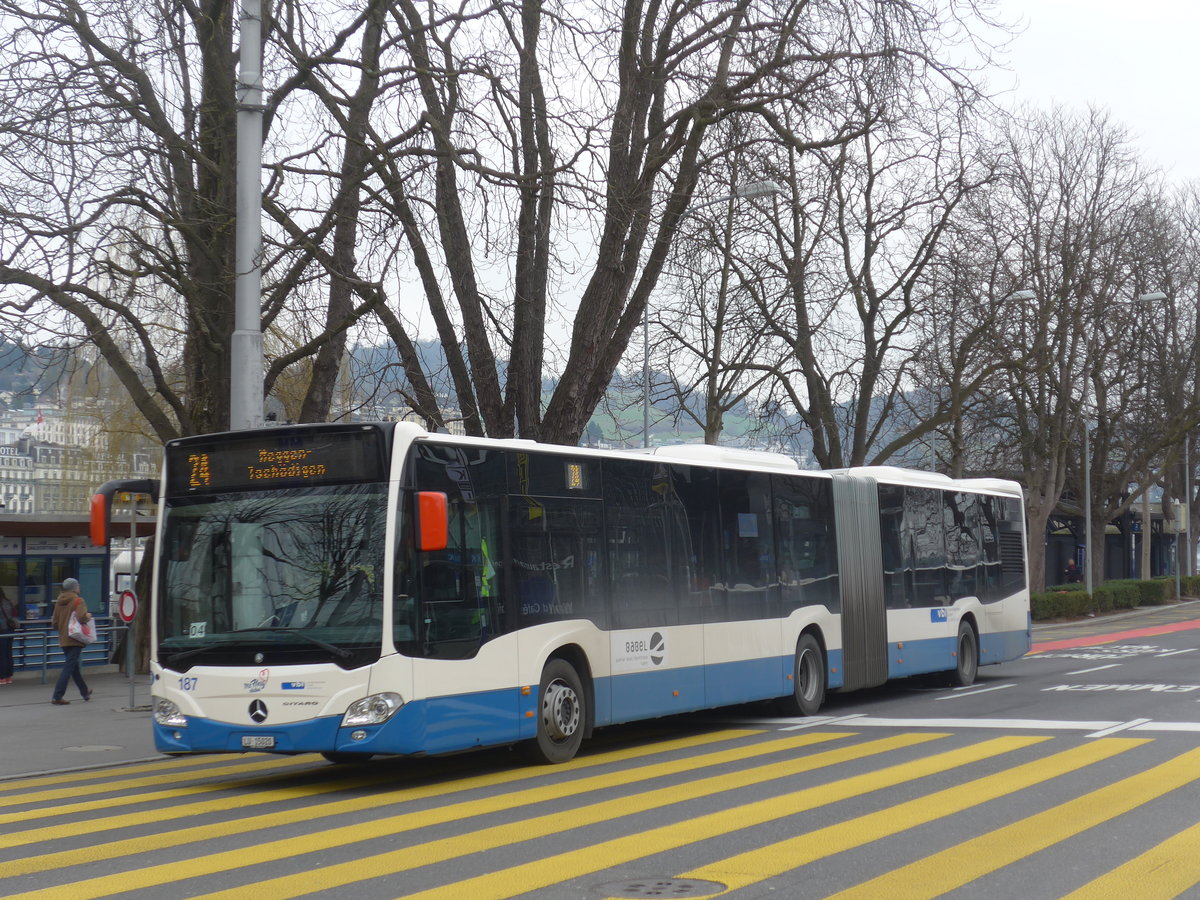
<point>37,738</point>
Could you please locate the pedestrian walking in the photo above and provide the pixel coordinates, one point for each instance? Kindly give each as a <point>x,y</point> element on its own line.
<point>1072,575</point>
<point>69,602</point>
<point>9,623</point>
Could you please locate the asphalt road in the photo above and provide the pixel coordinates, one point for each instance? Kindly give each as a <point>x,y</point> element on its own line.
<point>1074,772</point>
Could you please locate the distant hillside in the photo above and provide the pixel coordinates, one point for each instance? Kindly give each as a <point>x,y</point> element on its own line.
<point>26,375</point>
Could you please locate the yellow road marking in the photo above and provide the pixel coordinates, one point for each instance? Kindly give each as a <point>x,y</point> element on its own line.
<point>963,863</point>
<point>568,866</point>
<point>1167,870</point>
<point>101,772</point>
<point>129,783</point>
<point>242,825</point>
<point>384,864</point>
<point>757,865</point>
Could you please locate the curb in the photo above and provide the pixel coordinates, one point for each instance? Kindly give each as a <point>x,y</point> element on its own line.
<point>46,773</point>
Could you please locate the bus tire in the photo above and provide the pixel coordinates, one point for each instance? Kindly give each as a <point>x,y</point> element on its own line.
<point>966,652</point>
<point>808,679</point>
<point>562,713</point>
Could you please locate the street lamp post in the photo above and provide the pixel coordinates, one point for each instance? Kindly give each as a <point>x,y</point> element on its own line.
<point>246,344</point>
<point>1087,504</point>
<point>745,192</point>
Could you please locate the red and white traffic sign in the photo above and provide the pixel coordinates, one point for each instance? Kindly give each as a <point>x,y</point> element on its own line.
<point>128,605</point>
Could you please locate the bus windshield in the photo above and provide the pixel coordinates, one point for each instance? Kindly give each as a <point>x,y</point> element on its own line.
<point>273,577</point>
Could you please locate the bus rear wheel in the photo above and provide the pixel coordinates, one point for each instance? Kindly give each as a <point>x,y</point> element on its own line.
<point>808,679</point>
<point>562,713</point>
<point>967,654</point>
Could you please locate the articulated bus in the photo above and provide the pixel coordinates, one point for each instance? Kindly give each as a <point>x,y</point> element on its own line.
<point>377,589</point>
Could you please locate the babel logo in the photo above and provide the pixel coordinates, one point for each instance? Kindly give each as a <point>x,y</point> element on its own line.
<point>658,648</point>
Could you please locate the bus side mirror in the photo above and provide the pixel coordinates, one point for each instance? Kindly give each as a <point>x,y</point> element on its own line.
<point>433,521</point>
<point>101,504</point>
<point>101,507</point>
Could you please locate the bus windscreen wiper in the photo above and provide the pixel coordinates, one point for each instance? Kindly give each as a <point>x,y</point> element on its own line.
<point>339,652</point>
<point>177,656</point>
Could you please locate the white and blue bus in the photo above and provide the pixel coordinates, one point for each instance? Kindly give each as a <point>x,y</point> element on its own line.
<point>378,589</point>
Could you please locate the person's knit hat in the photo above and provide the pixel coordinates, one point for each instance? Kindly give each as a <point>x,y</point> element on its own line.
<point>71,584</point>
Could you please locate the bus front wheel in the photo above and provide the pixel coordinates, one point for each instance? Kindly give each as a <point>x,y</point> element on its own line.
<point>562,713</point>
<point>808,679</point>
<point>967,654</point>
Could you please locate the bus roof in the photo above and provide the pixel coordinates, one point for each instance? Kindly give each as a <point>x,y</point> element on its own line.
<point>922,478</point>
<point>733,457</point>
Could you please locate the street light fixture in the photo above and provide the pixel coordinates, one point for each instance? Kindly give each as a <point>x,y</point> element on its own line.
<point>746,192</point>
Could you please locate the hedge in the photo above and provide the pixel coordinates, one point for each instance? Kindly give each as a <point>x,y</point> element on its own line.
<point>1069,600</point>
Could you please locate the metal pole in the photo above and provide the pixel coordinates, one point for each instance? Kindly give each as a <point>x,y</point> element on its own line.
<point>1144,570</point>
<point>646,376</point>
<point>1178,594</point>
<point>246,346</point>
<point>1087,508</point>
<point>1189,553</point>
<point>133,584</point>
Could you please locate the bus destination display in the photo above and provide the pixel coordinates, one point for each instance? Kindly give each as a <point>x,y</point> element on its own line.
<point>266,460</point>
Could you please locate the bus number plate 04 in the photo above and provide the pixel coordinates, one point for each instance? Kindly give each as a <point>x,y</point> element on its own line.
<point>258,741</point>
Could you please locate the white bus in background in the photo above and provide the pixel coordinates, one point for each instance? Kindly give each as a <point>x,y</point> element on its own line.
<point>377,589</point>
<point>120,578</point>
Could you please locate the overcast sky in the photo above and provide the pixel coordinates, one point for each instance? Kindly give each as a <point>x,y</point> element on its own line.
<point>1136,57</point>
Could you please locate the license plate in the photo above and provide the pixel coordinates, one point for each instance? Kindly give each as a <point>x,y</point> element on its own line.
<point>258,741</point>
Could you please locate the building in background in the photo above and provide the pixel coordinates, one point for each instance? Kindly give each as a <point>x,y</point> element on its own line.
<point>50,462</point>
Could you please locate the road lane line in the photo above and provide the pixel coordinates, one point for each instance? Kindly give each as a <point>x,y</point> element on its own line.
<point>1166,870</point>
<point>567,866</point>
<point>114,849</point>
<point>76,776</point>
<point>976,693</point>
<point>963,863</point>
<point>1114,729</point>
<point>267,851</point>
<point>758,865</point>
<point>514,833</point>
<point>296,762</point>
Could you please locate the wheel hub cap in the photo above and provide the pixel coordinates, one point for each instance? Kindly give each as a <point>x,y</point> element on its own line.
<point>560,711</point>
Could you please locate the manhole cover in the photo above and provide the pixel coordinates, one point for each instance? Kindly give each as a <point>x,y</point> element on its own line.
<point>662,887</point>
<point>93,748</point>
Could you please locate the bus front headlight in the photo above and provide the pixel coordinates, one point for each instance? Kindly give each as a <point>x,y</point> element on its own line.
<point>167,713</point>
<point>373,710</point>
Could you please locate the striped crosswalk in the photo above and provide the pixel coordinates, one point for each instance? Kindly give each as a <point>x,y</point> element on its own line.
<point>867,814</point>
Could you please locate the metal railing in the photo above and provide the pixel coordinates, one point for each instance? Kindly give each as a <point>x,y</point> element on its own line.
<point>36,645</point>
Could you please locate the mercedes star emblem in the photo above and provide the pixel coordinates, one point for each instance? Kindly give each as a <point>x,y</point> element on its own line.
<point>258,711</point>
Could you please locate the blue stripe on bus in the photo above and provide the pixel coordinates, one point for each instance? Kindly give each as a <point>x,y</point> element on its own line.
<point>209,736</point>
<point>1004,646</point>
<point>440,725</point>
<point>465,721</point>
<point>937,654</point>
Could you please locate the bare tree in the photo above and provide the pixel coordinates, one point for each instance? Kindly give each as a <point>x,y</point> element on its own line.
<point>444,167</point>
<point>1061,226</point>
<point>854,281</point>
